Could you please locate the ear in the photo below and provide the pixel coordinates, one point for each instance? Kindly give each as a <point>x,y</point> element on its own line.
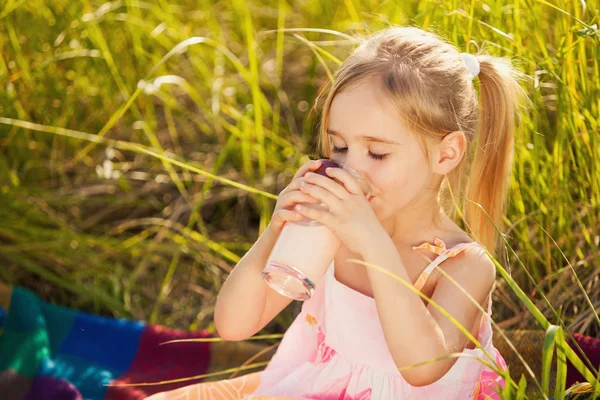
<point>449,152</point>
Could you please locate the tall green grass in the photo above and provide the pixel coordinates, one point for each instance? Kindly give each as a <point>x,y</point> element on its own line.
<point>142,144</point>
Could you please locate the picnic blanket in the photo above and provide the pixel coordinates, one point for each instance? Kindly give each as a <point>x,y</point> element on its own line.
<point>48,352</point>
<point>55,353</point>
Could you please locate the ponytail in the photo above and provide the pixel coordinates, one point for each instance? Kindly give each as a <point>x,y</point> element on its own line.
<point>499,93</point>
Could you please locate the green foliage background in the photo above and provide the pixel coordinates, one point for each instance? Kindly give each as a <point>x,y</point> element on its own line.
<point>142,143</point>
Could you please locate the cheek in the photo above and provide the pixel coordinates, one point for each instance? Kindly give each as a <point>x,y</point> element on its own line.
<point>391,184</point>
<point>401,182</point>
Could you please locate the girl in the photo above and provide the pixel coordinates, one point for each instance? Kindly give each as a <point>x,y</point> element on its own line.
<point>404,113</point>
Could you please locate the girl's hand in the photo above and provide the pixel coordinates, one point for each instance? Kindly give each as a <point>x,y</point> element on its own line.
<point>290,196</point>
<point>350,215</point>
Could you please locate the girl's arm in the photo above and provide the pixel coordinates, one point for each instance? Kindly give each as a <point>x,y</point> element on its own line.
<point>246,303</point>
<point>416,333</point>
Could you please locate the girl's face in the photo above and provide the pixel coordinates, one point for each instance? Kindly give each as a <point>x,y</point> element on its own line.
<point>366,134</point>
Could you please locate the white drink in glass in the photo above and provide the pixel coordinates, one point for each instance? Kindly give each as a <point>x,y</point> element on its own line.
<point>303,252</point>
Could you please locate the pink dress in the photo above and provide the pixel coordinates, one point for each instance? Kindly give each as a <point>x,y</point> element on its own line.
<point>335,349</point>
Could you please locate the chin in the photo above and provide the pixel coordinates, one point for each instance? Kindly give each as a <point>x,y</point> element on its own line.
<point>379,211</point>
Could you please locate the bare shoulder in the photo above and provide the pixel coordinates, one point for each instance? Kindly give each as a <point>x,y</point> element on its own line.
<point>472,268</point>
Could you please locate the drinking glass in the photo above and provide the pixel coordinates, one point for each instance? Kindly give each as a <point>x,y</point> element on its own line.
<point>304,249</point>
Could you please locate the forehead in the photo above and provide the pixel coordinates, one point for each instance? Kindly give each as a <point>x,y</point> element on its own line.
<point>363,110</point>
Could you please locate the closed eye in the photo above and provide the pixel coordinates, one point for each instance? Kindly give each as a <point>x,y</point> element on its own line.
<point>374,156</point>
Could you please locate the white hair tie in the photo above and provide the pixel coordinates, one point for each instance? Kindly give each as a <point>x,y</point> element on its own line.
<point>472,64</point>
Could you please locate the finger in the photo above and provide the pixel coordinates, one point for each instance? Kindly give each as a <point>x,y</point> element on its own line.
<point>297,196</point>
<point>345,179</point>
<point>327,183</point>
<point>287,215</point>
<point>328,198</point>
<point>299,176</point>
<point>309,166</point>
<point>282,216</point>
<point>319,215</point>
<point>293,185</point>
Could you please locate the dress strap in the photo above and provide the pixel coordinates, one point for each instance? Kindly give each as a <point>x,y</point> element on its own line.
<point>438,247</point>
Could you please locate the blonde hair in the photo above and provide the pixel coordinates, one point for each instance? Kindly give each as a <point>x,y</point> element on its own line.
<point>431,87</point>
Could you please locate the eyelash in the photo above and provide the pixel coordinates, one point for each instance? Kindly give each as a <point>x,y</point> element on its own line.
<point>374,156</point>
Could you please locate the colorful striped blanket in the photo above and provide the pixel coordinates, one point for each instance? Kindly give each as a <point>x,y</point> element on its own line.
<point>48,352</point>
<point>56,353</point>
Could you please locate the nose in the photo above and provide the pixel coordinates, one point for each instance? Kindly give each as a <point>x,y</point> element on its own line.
<point>356,172</point>
<point>354,164</point>
<point>361,175</point>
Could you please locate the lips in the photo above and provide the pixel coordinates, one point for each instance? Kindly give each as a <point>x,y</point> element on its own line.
<point>370,198</point>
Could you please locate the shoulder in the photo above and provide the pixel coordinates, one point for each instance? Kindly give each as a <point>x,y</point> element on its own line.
<point>472,268</point>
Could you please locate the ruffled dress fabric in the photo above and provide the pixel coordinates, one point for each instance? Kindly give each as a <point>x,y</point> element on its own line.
<point>335,349</point>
